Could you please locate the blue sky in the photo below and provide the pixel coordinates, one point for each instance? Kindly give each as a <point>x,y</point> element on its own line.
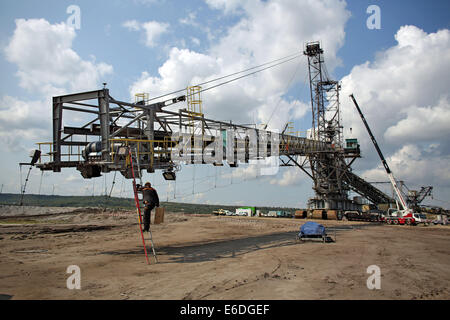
<point>207,28</point>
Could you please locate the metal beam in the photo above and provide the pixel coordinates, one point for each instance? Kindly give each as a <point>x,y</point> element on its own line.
<point>80,96</point>
<point>103,102</point>
<point>79,110</point>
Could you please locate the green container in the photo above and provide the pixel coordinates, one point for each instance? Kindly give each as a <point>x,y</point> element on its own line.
<point>251,208</point>
<point>351,143</point>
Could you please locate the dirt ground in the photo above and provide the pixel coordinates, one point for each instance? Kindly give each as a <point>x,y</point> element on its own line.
<point>211,257</point>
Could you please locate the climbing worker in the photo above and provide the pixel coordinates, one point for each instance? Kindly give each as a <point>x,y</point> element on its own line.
<point>151,199</point>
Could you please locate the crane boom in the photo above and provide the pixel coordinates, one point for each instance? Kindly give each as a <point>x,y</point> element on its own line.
<point>383,160</point>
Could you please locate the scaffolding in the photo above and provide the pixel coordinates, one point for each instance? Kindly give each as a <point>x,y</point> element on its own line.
<point>141,98</point>
<point>194,108</point>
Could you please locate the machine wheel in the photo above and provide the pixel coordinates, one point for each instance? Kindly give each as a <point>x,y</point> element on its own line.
<point>395,221</point>
<point>389,221</point>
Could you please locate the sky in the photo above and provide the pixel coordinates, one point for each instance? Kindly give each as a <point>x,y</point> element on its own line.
<point>398,73</point>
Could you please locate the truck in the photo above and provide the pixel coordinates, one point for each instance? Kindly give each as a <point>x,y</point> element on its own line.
<point>272,214</point>
<point>393,216</point>
<point>219,212</point>
<point>222,212</point>
<point>399,217</point>
<point>283,214</point>
<point>421,218</point>
<point>246,211</point>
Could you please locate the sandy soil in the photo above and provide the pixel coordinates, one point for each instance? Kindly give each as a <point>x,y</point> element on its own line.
<point>10,211</point>
<point>210,257</point>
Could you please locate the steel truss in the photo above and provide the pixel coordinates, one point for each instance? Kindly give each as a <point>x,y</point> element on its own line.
<point>152,130</point>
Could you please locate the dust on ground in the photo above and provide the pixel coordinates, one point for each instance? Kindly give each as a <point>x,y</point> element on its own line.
<point>215,257</point>
<point>7,211</point>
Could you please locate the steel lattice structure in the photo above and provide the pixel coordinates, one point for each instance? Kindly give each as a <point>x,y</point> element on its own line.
<point>328,169</point>
<point>96,146</point>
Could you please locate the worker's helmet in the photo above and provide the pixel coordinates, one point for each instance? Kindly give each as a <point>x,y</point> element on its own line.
<point>148,184</point>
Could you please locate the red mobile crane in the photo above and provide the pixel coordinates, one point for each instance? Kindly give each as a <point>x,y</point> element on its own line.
<point>399,216</point>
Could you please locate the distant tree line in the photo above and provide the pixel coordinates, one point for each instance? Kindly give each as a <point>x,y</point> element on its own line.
<point>115,203</point>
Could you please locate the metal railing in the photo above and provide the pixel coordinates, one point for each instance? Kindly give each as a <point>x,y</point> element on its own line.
<point>70,154</point>
<point>138,145</point>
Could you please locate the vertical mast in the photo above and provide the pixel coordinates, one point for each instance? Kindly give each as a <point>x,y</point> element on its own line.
<point>327,167</point>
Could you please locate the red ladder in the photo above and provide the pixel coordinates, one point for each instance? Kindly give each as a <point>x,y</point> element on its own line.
<point>138,209</point>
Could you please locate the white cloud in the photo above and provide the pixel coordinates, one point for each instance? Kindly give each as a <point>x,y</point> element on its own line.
<point>190,20</point>
<point>405,97</point>
<point>279,111</point>
<point>46,61</point>
<point>23,120</point>
<point>153,30</point>
<point>291,176</point>
<point>287,176</point>
<point>148,2</point>
<point>195,198</point>
<point>423,123</point>
<point>18,114</point>
<point>244,172</point>
<point>416,166</point>
<point>195,41</point>
<point>72,178</point>
<point>47,65</point>
<point>250,42</point>
<point>132,25</point>
<point>176,72</point>
<point>228,6</point>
